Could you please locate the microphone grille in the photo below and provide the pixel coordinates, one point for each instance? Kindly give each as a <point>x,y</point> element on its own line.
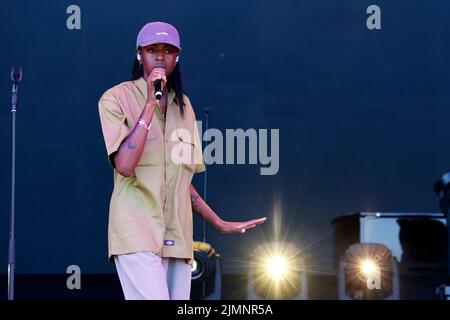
<point>16,74</point>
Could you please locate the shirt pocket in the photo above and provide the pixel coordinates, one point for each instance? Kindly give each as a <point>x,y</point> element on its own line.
<point>186,151</point>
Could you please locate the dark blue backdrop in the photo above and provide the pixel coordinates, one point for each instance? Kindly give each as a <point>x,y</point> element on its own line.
<point>363,116</point>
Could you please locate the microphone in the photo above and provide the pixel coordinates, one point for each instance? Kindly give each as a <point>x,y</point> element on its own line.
<point>158,89</point>
<point>16,77</point>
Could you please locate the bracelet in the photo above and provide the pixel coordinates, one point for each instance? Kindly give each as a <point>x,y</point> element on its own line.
<point>143,124</point>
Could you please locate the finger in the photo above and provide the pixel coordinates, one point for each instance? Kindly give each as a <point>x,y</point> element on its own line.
<point>155,77</point>
<point>158,72</point>
<point>160,77</point>
<point>161,70</point>
<point>248,223</point>
<point>259,221</point>
<point>245,226</point>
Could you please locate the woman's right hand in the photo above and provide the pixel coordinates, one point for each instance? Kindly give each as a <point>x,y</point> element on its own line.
<point>156,74</point>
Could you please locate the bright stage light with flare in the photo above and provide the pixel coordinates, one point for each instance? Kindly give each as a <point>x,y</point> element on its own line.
<point>368,267</point>
<point>277,272</point>
<point>276,267</point>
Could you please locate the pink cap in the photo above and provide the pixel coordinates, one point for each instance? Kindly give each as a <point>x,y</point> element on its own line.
<point>158,32</point>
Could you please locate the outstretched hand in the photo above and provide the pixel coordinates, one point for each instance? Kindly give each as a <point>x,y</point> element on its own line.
<point>238,227</point>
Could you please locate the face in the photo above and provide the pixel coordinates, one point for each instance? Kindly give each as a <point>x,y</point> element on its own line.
<point>159,55</point>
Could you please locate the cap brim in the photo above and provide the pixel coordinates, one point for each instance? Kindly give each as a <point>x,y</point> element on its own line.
<point>147,43</point>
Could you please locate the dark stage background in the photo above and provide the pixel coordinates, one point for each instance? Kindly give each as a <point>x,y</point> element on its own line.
<point>363,116</point>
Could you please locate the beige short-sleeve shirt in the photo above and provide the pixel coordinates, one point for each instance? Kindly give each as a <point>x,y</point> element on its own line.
<point>151,210</point>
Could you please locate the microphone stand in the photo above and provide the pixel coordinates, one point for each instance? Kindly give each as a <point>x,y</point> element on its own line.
<point>16,76</point>
<point>205,181</point>
<point>205,176</point>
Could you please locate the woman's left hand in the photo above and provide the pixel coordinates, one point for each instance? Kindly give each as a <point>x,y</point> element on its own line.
<point>238,227</point>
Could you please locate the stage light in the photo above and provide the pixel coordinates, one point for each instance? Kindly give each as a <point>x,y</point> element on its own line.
<point>442,189</point>
<point>205,273</point>
<point>196,270</point>
<point>277,272</point>
<point>202,267</point>
<point>443,292</point>
<point>368,271</point>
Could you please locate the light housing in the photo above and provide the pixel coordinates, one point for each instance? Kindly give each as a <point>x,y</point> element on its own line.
<point>205,273</point>
<point>368,271</point>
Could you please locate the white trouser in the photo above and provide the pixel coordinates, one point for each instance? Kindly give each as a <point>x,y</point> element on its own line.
<point>147,276</point>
